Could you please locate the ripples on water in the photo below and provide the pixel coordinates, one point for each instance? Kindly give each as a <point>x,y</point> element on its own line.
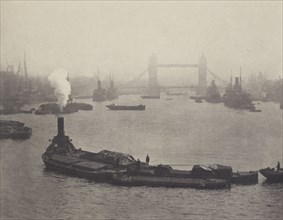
<point>171,132</point>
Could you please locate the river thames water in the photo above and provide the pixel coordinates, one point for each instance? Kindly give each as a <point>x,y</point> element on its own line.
<point>178,132</point>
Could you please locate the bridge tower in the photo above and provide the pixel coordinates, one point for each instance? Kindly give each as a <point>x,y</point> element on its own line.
<point>201,90</point>
<point>152,75</point>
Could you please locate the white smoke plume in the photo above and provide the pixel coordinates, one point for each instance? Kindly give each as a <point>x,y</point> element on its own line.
<point>62,87</point>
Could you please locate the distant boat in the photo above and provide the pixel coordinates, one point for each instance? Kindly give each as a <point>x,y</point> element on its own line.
<point>112,92</point>
<point>197,97</point>
<point>272,174</point>
<point>53,108</point>
<point>14,130</point>
<point>152,93</point>
<point>150,97</point>
<point>22,133</point>
<point>198,100</point>
<point>71,107</point>
<point>255,110</point>
<point>235,97</point>
<point>176,93</point>
<point>99,94</point>
<point>213,94</point>
<point>11,123</point>
<point>125,107</point>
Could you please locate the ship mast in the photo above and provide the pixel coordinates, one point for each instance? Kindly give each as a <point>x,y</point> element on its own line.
<point>26,73</point>
<point>240,77</point>
<point>231,79</point>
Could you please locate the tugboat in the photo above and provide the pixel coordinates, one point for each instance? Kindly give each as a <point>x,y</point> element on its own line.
<point>213,94</point>
<point>235,97</point>
<point>99,94</point>
<point>126,107</point>
<point>61,155</point>
<point>71,107</point>
<point>53,108</point>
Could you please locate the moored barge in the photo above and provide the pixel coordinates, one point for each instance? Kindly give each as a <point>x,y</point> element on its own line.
<point>126,107</point>
<point>116,168</point>
<point>272,175</point>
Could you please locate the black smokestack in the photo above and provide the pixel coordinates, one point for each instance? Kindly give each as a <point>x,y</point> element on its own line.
<point>60,123</point>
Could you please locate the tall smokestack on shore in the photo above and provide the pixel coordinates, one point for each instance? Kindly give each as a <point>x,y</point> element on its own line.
<point>62,87</point>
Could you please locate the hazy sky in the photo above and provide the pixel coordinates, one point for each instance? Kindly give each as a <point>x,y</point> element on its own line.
<point>121,36</point>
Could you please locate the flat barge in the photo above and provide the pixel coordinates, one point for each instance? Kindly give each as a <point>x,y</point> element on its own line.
<point>117,168</point>
<point>272,175</point>
<point>14,130</point>
<point>126,107</point>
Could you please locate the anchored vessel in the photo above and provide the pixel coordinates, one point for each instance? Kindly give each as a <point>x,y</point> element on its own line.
<point>112,92</point>
<point>235,97</point>
<point>213,94</point>
<point>14,130</point>
<point>175,93</point>
<point>150,96</point>
<point>126,107</point>
<point>71,107</point>
<point>99,94</point>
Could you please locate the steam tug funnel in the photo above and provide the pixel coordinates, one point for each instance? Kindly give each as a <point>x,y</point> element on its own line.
<point>60,123</point>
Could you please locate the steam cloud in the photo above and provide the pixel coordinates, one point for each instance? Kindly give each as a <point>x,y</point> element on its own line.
<point>62,87</point>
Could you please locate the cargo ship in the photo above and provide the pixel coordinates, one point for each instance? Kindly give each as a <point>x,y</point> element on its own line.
<point>112,92</point>
<point>235,97</point>
<point>99,94</point>
<point>213,94</point>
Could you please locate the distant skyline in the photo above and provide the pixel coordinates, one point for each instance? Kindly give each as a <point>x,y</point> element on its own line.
<point>120,36</point>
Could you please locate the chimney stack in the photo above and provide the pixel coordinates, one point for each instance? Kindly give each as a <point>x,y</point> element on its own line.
<point>60,123</point>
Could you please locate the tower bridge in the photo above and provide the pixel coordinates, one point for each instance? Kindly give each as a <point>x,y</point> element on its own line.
<point>153,73</point>
<point>153,66</point>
